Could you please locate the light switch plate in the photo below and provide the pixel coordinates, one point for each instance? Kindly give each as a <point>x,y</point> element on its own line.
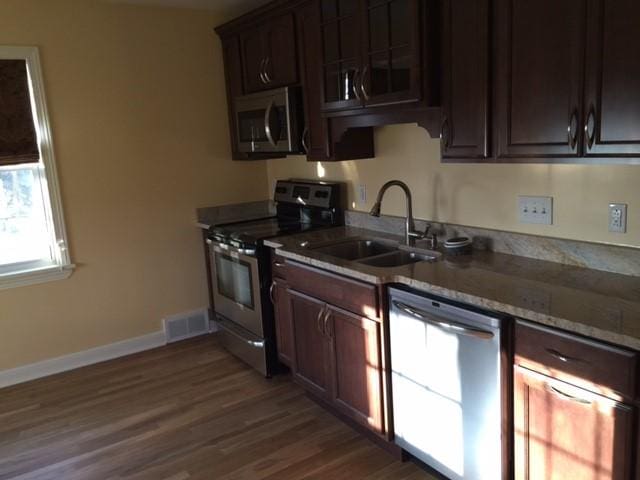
<point>537,210</point>
<point>618,217</point>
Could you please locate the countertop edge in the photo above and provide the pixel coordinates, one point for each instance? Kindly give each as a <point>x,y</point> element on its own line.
<point>537,317</point>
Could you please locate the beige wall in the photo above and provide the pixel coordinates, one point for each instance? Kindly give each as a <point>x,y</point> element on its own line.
<point>483,195</point>
<point>137,105</point>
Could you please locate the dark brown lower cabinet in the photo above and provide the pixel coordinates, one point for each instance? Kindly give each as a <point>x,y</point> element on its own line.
<point>312,348</point>
<point>335,354</point>
<point>357,367</point>
<point>283,320</point>
<point>563,432</point>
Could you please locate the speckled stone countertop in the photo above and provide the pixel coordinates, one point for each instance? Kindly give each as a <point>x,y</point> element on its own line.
<point>593,303</point>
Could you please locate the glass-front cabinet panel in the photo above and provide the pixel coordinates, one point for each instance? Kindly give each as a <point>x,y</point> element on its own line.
<point>391,71</point>
<point>342,54</point>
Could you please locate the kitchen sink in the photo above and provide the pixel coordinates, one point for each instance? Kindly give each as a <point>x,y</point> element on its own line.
<point>397,259</point>
<point>356,249</point>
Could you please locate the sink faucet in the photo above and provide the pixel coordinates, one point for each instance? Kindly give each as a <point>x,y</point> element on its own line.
<point>410,234</point>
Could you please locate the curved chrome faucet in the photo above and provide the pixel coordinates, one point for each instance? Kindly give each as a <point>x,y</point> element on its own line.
<point>410,234</point>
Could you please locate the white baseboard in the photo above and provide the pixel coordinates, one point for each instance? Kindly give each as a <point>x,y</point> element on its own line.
<point>81,359</point>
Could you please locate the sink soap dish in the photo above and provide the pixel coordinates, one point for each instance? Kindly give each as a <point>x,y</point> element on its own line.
<point>458,246</point>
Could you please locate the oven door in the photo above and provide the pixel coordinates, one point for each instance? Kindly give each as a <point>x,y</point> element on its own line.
<point>236,287</point>
<point>266,122</point>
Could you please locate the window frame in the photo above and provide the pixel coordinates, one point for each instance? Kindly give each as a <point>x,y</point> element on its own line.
<point>61,267</point>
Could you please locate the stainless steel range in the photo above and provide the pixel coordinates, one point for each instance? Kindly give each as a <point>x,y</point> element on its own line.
<point>241,267</point>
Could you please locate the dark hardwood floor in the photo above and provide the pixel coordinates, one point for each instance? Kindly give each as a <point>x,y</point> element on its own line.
<point>185,411</point>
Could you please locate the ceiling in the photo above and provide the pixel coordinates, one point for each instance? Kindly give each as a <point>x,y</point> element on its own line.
<point>225,8</point>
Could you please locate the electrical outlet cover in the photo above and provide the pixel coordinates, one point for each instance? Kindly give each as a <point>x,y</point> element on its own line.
<point>618,217</point>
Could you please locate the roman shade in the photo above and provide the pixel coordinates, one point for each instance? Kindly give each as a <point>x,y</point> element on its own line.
<point>18,139</point>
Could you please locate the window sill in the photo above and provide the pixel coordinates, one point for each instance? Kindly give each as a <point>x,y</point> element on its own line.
<point>35,276</point>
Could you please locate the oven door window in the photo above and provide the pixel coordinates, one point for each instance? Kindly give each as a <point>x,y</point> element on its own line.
<point>234,280</point>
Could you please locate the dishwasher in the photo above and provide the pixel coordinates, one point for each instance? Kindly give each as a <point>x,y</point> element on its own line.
<point>445,363</point>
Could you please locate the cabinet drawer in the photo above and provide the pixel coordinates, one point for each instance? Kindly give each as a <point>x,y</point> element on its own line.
<point>352,295</point>
<point>278,267</point>
<point>575,359</point>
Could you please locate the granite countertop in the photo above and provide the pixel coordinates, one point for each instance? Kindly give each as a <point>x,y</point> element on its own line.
<point>597,304</point>
<point>238,212</point>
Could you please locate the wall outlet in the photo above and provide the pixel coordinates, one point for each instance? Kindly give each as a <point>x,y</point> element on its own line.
<point>618,217</point>
<point>538,210</point>
<point>362,194</point>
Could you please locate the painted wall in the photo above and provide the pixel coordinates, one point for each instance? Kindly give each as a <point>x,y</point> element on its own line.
<point>138,111</point>
<point>482,195</point>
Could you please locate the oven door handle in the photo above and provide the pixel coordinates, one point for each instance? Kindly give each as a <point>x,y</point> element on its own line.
<point>223,247</point>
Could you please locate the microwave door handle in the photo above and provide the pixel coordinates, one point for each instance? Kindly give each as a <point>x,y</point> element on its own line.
<point>267,124</point>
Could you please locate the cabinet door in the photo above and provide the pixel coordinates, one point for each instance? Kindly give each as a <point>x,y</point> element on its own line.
<point>283,320</point>
<point>316,134</point>
<point>562,432</point>
<point>341,59</point>
<point>281,67</point>
<point>612,108</point>
<point>311,368</point>
<point>233,79</point>
<point>465,79</point>
<point>392,72</point>
<point>357,369</point>
<point>539,78</point>
<point>253,59</point>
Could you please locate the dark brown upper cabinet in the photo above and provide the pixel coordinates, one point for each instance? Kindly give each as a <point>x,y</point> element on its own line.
<point>318,138</point>
<point>371,53</point>
<point>465,86</point>
<point>269,56</point>
<point>612,93</point>
<point>539,76</point>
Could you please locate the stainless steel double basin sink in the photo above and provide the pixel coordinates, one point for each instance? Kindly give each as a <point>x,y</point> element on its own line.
<point>376,253</point>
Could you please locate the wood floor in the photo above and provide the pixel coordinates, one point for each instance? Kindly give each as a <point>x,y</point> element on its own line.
<point>185,411</point>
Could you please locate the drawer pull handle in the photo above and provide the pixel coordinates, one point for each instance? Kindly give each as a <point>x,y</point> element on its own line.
<point>278,264</point>
<point>564,358</point>
<point>567,396</point>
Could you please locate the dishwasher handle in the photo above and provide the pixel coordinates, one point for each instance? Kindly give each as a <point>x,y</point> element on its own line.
<point>445,324</point>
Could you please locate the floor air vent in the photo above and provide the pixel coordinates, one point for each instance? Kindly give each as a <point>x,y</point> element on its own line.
<point>186,325</point>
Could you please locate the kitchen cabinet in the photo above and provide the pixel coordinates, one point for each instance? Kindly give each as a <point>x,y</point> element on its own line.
<point>337,342</point>
<point>370,52</point>
<point>566,432</point>
<point>233,81</point>
<point>538,81</point>
<point>612,91</point>
<point>318,140</point>
<point>466,126</point>
<point>312,348</point>
<point>357,366</point>
<point>269,56</point>
<point>283,322</point>
<point>574,407</point>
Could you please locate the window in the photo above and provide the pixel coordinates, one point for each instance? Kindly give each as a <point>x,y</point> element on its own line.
<point>33,244</point>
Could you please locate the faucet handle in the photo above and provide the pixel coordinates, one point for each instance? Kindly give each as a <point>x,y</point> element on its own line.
<point>431,238</point>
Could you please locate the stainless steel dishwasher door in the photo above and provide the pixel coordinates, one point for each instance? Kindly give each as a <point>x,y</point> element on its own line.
<point>445,364</point>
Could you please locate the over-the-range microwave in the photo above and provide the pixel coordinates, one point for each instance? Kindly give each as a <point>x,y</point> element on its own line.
<point>269,121</point>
